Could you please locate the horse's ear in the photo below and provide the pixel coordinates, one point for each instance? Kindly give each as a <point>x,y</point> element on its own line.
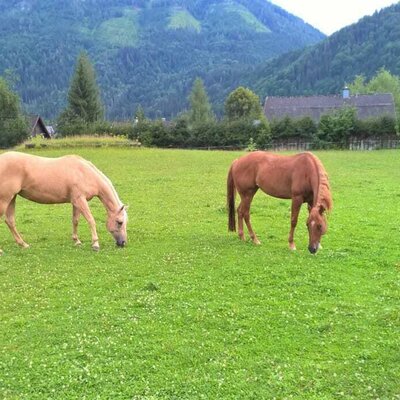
<point>321,209</point>
<point>122,208</point>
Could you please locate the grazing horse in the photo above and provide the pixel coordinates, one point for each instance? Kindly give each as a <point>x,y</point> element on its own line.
<point>68,179</point>
<point>300,177</point>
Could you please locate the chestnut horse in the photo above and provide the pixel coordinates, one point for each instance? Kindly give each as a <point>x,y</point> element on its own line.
<point>300,177</point>
<point>68,179</point>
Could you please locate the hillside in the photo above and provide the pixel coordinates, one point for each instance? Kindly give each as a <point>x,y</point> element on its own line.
<point>361,48</point>
<point>145,52</point>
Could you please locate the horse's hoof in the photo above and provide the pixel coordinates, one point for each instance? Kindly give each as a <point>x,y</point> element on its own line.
<point>292,247</point>
<point>24,245</point>
<point>78,242</point>
<point>256,242</point>
<point>1,252</point>
<point>96,248</point>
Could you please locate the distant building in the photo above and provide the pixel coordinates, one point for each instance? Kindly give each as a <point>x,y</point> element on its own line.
<point>38,127</point>
<point>367,105</point>
<point>51,130</point>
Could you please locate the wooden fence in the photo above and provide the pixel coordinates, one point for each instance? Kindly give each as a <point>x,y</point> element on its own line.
<point>389,142</point>
<point>290,144</point>
<point>374,143</point>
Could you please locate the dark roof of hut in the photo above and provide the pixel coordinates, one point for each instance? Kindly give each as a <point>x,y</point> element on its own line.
<point>37,121</point>
<point>367,105</point>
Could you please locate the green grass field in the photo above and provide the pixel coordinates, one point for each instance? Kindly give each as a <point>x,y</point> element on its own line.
<point>186,310</point>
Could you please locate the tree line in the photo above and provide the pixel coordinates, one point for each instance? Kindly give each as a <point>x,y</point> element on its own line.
<point>243,124</point>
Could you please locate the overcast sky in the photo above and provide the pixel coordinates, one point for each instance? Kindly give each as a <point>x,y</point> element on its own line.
<point>331,15</point>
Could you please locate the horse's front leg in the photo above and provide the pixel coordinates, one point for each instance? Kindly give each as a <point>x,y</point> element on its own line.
<point>297,201</point>
<point>10,221</point>
<point>83,207</point>
<point>75,220</point>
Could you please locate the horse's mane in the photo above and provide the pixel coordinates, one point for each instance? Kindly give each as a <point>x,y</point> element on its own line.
<point>324,197</point>
<point>105,179</point>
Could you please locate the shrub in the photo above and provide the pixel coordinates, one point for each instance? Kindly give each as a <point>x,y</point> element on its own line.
<point>208,134</point>
<point>305,128</point>
<point>287,127</point>
<point>381,126</point>
<point>282,128</point>
<point>336,128</point>
<point>12,132</point>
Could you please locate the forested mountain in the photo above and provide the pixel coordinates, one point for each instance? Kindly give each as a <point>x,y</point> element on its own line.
<point>359,49</point>
<point>145,52</point>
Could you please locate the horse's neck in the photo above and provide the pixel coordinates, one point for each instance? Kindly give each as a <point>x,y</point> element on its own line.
<point>107,195</point>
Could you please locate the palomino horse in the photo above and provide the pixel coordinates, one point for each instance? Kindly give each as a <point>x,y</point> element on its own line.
<point>300,177</point>
<point>68,179</point>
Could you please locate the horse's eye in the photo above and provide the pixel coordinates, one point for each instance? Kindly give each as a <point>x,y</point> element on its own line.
<point>119,223</point>
<point>319,226</point>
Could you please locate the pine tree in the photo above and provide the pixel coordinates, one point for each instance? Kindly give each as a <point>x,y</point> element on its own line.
<point>139,114</point>
<point>13,126</point>
<point>84,102</point>
<point>200,111</point>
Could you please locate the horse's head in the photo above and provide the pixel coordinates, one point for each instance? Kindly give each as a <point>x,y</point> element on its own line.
<point>116,225</point>
<point>317,226</point>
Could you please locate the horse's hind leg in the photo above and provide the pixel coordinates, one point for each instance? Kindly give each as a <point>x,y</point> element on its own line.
<point>240,220</point>
<point>10,221</point>
<point>244,213</point>
<point>75,219</point>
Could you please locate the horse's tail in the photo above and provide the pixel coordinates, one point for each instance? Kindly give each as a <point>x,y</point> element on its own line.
<point>230,201</point>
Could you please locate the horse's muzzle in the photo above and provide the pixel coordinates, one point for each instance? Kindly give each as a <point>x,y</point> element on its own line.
<point>121,243</point>
<point>312,249</point>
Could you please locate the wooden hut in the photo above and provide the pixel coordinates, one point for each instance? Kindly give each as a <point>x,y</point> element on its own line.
<point>38,127</point>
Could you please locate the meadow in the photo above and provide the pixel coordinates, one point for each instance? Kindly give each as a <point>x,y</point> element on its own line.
<point>186,310</point>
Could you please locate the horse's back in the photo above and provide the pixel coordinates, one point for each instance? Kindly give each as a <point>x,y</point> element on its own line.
<point>273,173</point>
<point>46,180</point>
<point>28,166</point>
<point>11,158</point>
